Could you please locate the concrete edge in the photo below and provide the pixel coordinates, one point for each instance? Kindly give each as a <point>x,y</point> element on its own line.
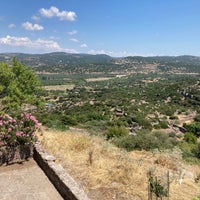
<point>63,182</point>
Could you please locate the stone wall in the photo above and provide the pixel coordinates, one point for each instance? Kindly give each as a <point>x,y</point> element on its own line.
<point>18,154</point>
<point>63,182</point>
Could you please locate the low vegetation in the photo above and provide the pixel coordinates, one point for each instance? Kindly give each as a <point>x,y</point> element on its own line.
<point>107,172</point>
<point>136,120</point>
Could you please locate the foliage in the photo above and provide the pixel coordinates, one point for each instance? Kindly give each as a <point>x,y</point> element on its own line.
<point>157,188</point>
<point>18,85</point>
<point>116,131</point>
<point>196,198</point>
<point>84,63</point>
<point>54,120</point>
<point>197,118</point>
<point>162,124</point>
<point>142,121</point>
<point>136,102</point>
<point>144,140</point>
<point>17,131</point>
<point>193,128</point>
<point>190,138</point>
<point>69,120</point>
<point>197,151</point>
<point>190,152</point>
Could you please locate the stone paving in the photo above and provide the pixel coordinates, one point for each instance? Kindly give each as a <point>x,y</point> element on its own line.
<point>26,182</point>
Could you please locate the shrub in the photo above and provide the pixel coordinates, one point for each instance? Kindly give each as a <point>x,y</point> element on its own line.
<point>145,141</point>
<point>17,131</point>
<point>116,131</point>
<point>197,151</point>
<point>162,124</point>
<point>142,121</point>
<point>157,188</point>
<point>190,138</point>
<point>172,134</point>
<point>69,120</point>
<point>53,120</point>
<point>193,128</point>
<point>189,150</point>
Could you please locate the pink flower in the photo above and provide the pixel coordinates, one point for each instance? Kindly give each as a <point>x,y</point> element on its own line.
<point>2,143</point>
<point>9,129</point>
<point>19,133</point>
<point>5,122</point>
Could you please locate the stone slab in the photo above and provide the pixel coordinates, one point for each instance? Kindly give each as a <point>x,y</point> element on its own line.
<point>26,182</point>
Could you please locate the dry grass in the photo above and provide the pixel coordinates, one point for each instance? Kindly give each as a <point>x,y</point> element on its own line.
<point>59,87</point>
<point>106,172</point>
<point>98,79</point>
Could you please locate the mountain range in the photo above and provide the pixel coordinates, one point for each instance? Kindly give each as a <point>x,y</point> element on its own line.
<point>61,62</point>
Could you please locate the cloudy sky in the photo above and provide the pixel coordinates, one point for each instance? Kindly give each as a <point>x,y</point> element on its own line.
<point>113,27</point>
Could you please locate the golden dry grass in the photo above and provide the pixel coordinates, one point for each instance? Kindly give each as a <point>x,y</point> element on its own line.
<point>106,172</point>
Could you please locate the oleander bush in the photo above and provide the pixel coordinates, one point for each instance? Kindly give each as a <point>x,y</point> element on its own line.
<point>17,131</point>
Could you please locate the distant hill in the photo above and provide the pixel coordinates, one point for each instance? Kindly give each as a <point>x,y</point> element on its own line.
<point>58,62</point>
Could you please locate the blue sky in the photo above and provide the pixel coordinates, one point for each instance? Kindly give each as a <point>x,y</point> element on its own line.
<point>113,27</point>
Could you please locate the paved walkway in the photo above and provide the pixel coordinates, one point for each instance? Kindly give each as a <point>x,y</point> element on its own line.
<point>26,182</point>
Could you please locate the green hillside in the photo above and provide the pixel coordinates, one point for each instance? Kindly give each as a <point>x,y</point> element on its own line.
<point>85,63</point>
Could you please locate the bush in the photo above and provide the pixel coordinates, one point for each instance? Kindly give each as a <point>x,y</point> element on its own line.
<point>116,131</point>
<point>17,131</point>
<point>142,122</point>
<point>172,134</point>
<point>193,128</point>
<point>157,188</point>
<point>190,138</point>
<point>188,149</point>
<point>145,141</point>
<point>197,151</point>
<point>69,120</point>
<point>53,120</point>
<point>163,124</point>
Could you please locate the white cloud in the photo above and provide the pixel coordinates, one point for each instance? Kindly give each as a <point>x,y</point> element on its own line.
<point>39,45</point>
<point>83,46</point>
<point>54,12</point>
<point>74,40</point>
<point>74,32</point>
<point>32,27</point>
<point>36,18</point>
<point>11,26</point>
<point>26,42</point>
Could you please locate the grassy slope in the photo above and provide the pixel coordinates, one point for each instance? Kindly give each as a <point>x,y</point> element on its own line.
<point>106,172</point>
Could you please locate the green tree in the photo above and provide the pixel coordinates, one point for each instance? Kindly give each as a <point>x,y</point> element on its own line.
<point>19,85</point>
